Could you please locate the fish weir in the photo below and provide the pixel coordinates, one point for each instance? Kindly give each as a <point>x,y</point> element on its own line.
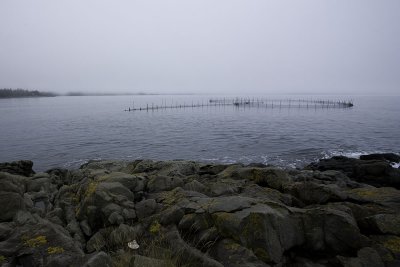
<point>251,103</point>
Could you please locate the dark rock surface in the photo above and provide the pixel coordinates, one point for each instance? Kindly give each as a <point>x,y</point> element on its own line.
<point>336,212</point>
<point>372,169</point>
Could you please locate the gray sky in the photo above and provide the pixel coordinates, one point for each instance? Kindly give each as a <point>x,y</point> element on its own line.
<point>218,46</point>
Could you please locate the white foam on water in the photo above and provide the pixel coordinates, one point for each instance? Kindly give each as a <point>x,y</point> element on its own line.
<point>346,153</point>
<point>78,162</point>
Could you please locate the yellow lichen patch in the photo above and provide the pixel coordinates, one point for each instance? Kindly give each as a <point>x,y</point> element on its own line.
<point>393,244</point>
<point>258,176</point>
<point>232,246</point>
<point>262,254</point>
<point>36,241</point>
<point>2,259</point>
<point>171,197</point>
<point>91,188</point>
<point>54,250</point>
<point>365,192</point>
<point>155,227</point>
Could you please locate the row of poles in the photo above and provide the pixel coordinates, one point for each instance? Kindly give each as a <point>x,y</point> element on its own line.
<point>248,102</point>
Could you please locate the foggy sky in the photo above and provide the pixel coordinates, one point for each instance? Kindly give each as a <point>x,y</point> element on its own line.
<point>201,46</point>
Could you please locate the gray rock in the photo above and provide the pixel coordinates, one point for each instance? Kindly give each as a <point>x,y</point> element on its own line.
<point>382,223</point>
<point>38,184</point>
<point>85,228</point>
<point>115,189</point>
<point>12,183</point>
<point>134,183</point>
<point>267,230</point>
<point>109,165</point>
<point>366,257</point>
<point>195,185</point>
<point>172,215</point>
<point>11,203</point>
<point>270,177</point>
<point>24,217</point>
<point>115,218</point>
<point>331,230</point>
<point>224,187</point>
<point>195,222</point>
<point>111,208</point>
<point>95,243</point>
<point>313,193</point>
<point>145,208</point>
<point>6,229</point>
<point>230,253</point>
<point>163,183</point>
<point>129,214</point>
<point>229,204</point>
<point>22,167</point>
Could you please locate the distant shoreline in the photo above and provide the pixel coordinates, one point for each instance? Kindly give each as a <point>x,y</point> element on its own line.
<point>22,93</point>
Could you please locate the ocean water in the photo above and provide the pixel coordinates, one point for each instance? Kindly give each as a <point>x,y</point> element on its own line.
<point>68,131</point>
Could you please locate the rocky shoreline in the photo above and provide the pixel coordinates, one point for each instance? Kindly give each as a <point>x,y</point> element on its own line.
<point>335,212</point>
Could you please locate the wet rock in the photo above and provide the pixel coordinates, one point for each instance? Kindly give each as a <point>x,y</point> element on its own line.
<point>374,172</point>
<point>108,165</point>
<point>22,167</point>
<point>384,156</point>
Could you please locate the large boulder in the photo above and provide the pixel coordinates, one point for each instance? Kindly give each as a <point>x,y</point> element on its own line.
<point>383,156</point>
<point>163,183</point>
<point>375,172</point>
<point>105,203</point>
<point>267,230</point>
<point>22,167</point>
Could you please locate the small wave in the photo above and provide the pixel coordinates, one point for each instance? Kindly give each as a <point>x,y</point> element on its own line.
<point>76,163</point>
<point>347,153</point>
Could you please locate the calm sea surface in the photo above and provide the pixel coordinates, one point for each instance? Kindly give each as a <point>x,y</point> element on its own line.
<point>68,131</point>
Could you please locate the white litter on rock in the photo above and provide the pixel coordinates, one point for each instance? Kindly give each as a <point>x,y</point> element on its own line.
<point>133,244</point>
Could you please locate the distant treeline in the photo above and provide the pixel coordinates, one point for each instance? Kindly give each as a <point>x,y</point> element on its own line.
<point>11,93</point>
